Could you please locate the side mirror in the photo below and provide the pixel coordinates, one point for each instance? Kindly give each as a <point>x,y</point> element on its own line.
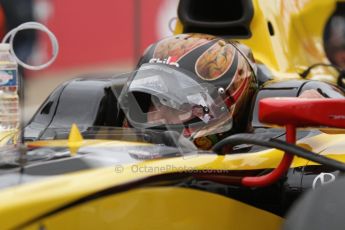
<point>292,113</point>
<point>302,112</point>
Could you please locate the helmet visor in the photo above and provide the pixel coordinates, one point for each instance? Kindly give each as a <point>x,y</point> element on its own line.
<point>159,95</point>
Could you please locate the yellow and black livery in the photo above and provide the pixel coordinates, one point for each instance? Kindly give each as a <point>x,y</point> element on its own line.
<point>109,177</point>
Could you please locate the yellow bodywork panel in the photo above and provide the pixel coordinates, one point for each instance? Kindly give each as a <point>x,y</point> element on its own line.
<point>26,202</point>
<point>157,208</point>
<point>297,42</point>
<point>297,39</point>
<point>86,142</point>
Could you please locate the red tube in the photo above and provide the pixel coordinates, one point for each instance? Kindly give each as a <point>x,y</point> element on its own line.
<point>283,167</point>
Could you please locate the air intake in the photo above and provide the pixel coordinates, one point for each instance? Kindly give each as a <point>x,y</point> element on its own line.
<point>229,18</point>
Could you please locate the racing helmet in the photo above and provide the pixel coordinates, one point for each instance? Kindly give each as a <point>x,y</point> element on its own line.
<point>196,84</point>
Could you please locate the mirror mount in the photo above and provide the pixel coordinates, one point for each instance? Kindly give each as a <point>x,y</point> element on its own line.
<point>293,113</point>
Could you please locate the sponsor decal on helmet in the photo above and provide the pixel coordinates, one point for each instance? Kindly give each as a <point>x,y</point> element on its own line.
<point>169,61</point>
<point>206,142</point>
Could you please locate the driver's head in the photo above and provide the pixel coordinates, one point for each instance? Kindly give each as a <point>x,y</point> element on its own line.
<point>198,85</point>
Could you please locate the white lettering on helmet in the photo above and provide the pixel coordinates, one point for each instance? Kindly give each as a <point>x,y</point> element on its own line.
<point>169,61</point>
